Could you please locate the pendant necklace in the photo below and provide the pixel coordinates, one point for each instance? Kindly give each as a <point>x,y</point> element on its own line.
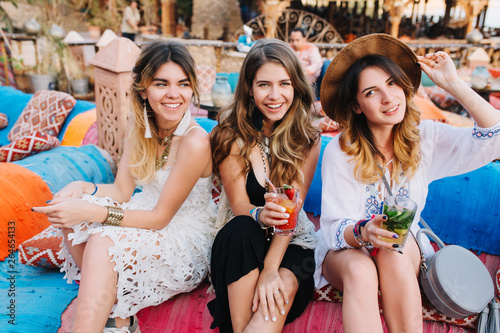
<point>160,162</point>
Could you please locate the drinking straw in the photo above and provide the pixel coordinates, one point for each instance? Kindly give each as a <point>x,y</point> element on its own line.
<point>273,188</point>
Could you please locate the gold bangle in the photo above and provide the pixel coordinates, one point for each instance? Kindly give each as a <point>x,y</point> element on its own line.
<point>115,216</point>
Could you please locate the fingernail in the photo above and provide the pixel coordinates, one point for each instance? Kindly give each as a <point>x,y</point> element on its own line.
<point>287,215</point>
<point>286,302</point>
<point>384,217</point>
<point>274,318</point>
<point>48,201</point>
<point>266,318</point>
<point>282,312</point>
<point>395,245</point>
<point>396,236</point>
<point>273,195</point>
<point>283,209</point>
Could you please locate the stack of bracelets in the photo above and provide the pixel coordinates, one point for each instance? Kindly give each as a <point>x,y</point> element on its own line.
<point>255,212</point>
<point>115,216</point>
<point>357,232</point>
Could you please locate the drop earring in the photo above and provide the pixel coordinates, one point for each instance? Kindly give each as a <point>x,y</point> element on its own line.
<point>147,132</point>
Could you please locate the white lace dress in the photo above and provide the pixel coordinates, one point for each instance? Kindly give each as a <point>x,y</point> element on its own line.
<point>160,263</point>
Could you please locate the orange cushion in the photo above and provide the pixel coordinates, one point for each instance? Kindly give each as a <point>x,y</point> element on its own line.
<point>41,250</point>
<point>31,144</point>
<point>46,112</point>
<point>20,190</point>
<point>78,127</point>
<point>4,121</point>
<point>428,109</point>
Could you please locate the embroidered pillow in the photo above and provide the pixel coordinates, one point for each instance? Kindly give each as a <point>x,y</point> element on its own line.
<point>46,112</point>
<point>3,120</point>
<point>29,145</point>
<point>325,124</point>
<point>429,312</point>
<point>41,250</point>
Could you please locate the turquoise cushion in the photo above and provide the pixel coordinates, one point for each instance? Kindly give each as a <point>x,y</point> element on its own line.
<point>426,81</point>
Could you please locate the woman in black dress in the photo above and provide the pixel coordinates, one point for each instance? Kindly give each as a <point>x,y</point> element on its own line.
<point>263,281</point>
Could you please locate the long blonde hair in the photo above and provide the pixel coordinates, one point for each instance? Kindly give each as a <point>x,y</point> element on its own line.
<point>356,138</point>
<point>294,135</point>
<point>143,151</point>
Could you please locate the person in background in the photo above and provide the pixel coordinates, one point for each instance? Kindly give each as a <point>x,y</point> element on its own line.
<point>368,89</point>
<point>130,21</point>
<point>132,251</point>
<point>308,54</point>
<point>261,280</point>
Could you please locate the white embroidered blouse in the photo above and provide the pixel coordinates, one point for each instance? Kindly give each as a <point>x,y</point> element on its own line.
<point>445,151</point>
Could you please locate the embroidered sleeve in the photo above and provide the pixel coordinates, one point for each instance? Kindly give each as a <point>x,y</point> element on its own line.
<point>485,133</point>
<point>339,240</point>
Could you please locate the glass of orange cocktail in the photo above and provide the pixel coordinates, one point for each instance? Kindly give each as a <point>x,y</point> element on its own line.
<point>287,197</point>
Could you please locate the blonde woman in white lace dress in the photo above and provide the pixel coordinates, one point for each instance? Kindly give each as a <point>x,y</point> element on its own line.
<point>131,252</point>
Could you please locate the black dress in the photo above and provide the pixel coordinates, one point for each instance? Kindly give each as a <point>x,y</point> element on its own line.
<point>240,247</point>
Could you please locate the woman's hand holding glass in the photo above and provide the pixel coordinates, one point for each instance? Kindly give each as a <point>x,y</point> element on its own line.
<point>372,233</point>
<point>270,293</point>
<point>273,214</point>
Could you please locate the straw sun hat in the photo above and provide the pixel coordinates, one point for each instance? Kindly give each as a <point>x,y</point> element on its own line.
<point>374,44</point>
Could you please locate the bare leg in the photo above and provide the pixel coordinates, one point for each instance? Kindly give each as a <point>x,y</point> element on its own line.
<point>354,272</point>
<point>76,251</point>
<point>240,295</point>
<point>258,324</point>
<point>401,299</point>
<point>97,292</point>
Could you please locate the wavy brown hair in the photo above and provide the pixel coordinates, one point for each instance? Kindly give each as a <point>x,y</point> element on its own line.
<point>356,138</point>
<point>153,56</point>
<point>294,135</point>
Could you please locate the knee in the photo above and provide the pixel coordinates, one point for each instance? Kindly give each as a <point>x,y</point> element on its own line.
<point>360,275</point>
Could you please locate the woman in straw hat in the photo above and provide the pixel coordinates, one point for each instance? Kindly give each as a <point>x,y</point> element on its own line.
<point>368,90</point>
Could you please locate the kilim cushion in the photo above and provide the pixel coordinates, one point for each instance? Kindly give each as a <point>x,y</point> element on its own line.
<point>325,124</point>
<point>46,112</point>
<point>29,145</point>
<point>41,250</point>
<point>429,312</point>
<point>3,120</point>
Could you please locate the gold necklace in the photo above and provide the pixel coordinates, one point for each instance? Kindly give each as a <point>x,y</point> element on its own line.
<point>160,162</point>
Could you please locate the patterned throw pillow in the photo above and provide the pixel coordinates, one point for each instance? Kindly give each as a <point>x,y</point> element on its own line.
<point>3,120</point>
<point>29,145</point>
<point>46,112</point>
<point>41,250</point>
<point>429,312</point>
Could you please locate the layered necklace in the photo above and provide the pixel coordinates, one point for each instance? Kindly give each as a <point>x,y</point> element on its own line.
<point>265,151</point>
<point>160,162</point>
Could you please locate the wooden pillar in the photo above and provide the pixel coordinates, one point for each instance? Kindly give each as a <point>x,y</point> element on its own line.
<point>168,17</point>
<point>273,8</point>
<point>113,79</point>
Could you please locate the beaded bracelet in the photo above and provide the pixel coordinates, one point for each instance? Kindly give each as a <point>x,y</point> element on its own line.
<point>255,212</point>
<point>95,190</point>
<point>115,216</point>
<point>356,230</point>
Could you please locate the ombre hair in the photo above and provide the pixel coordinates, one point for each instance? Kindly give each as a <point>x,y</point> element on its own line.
<point>356,139</point>
<point>294,135</point>
<point>155,54</point>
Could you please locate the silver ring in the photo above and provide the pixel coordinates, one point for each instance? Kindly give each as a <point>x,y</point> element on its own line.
<point>277,292</point>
